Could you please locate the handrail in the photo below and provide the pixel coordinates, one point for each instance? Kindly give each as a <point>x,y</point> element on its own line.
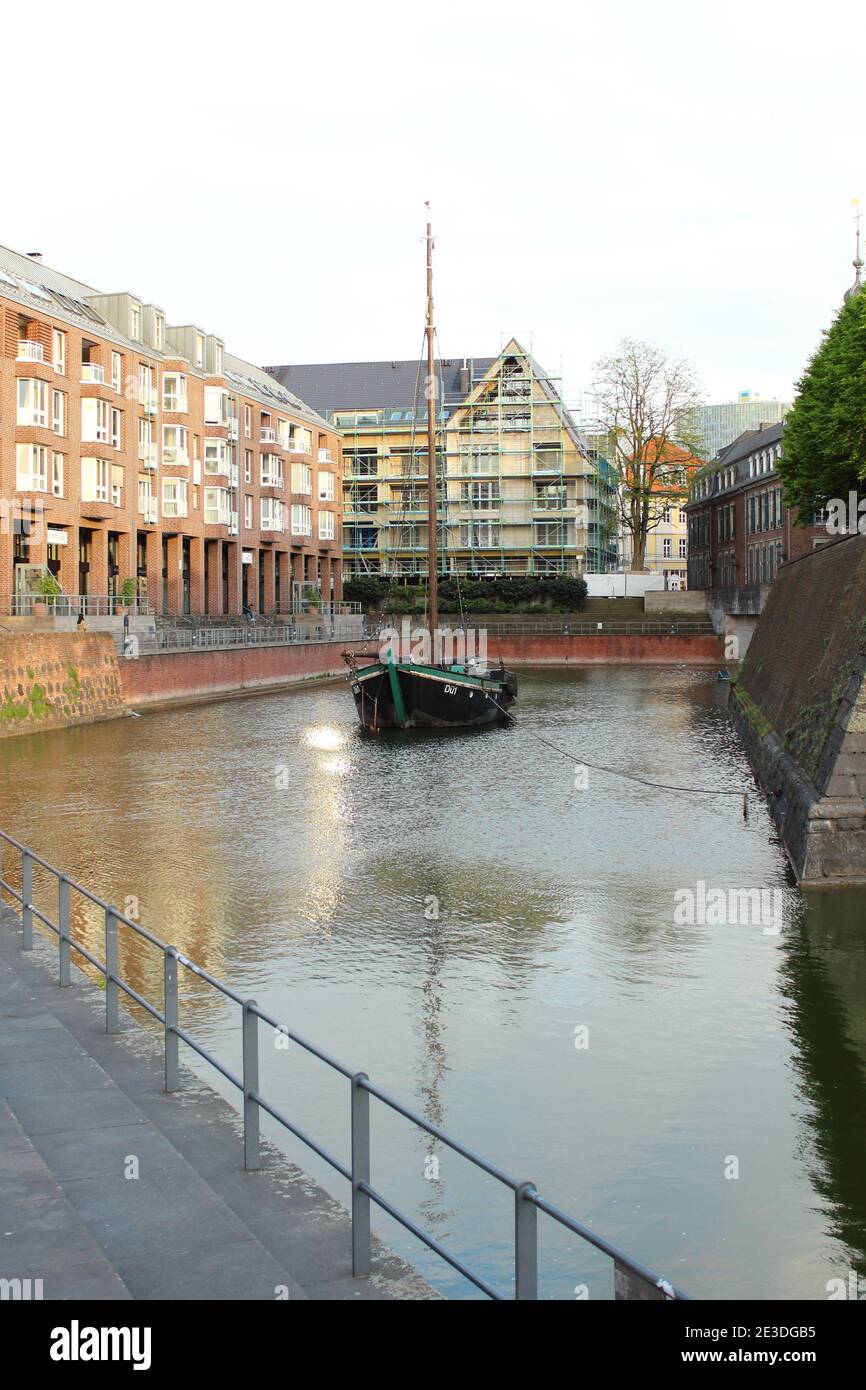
<point>528,1201</point>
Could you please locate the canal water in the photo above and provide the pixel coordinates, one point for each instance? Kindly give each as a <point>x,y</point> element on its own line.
<point>513,942</point>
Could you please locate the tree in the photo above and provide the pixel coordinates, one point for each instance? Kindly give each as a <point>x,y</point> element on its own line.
<point>645,403</point>
<point>824,447</point>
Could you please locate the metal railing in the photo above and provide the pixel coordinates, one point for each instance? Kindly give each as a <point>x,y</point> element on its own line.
<point>631,1278</point>
<point>556,627</point>
<point>256,634</point>
<point>72,605</point>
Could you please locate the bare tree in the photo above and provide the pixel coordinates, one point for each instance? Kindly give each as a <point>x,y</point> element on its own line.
<point>645,403</point>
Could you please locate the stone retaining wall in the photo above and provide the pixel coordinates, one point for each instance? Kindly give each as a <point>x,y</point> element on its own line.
<point>800,707</point>
<point>54,680</point>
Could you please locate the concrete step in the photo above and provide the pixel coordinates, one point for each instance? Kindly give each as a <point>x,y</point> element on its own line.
<point>153,1180</point>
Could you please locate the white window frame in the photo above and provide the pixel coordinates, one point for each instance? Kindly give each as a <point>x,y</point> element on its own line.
<point>34,410</point>
<point>302,519</point>
<point>58,348</point>
<point>175,500</point>
<point>175,393</point>
<point>271,470</point>
<point>327,526</point>
<point>31,468</point>
<point>95,479</point>
<point>116,428</point>
<point>180,435</point>
<point>58,412</point>
<point>97,411</point>
<point>248,511</point>
<point>117,371</point>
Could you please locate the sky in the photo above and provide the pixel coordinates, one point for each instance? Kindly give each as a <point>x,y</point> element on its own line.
<point>681,173</point>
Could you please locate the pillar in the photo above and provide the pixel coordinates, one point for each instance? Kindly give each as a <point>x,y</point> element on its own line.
<point>214,596</point>
<point>174,578</point>
<point>234,559</point>
<point>196,575</point>
<point>284,566</point>
<point>97,584</point>
<point>266,559</point>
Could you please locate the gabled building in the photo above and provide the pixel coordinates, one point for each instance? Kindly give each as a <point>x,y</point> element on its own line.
<point>139,456</point>
<point>740,531</point>
<point>519,492</point>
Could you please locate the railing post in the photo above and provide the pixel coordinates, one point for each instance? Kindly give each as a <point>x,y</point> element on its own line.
<point>525,1243</point>
<point>251,1085</point>
<point>170,1010</point>
<point>111,1009</point>
<point>360,1173</point>
<point>27,899</point>
<point>63,932</point>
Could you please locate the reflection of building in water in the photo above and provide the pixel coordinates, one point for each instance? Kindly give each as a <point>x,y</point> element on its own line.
<point>825,981</point>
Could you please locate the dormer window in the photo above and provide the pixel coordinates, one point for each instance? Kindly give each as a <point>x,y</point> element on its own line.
<point>199,349</point>
<point>159,331</point>
<point>135,322</point>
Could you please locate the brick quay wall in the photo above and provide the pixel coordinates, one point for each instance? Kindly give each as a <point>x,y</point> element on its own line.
<point>53,680</point>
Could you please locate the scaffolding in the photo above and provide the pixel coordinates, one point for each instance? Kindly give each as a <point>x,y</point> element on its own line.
<point>519,492</point>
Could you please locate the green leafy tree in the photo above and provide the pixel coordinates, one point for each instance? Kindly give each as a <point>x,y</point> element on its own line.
<point>824,449</point>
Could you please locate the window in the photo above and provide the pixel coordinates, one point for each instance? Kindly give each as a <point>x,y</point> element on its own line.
<point>301,442</point>
<point>217,506</point>
<point>272,471</point>
<point>175,446</point>
<point>159,331</point>
<point>326,487</point>
<point>146,500</point>
<point>58,341</point>
<point>95,421</point>
<point>95,477</point>
<point>302,519</point>
<point>31,468</point>
<point>174,500</point>
<point>273,516</point>
<point>248,465</point>
<point>216,456</point>
<point>480,533</point>
<point>363,463</point>
<point>551,533</point>
<point>145,385</point>
<point>199,349</point>
<point>116,429</point>
<point>683,544</point>
<point>116,370</point>
<point>326,526</point>
<point>217,408</point>
<point>58,412</point>
<point>32,402</point>
<point>135,322</point>
<point>248,421</point>
<point>57,475</point>
<point>302,479</point>
<point>481,497</point>
<point>174,394</point>
<point>248,512</point>
<point>117,485</point>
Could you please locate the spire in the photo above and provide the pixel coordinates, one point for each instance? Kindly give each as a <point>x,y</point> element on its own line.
<point>858,260</point>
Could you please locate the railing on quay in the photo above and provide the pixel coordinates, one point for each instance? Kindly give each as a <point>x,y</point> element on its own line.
<point>631,1278</point>
<point>72,605</point>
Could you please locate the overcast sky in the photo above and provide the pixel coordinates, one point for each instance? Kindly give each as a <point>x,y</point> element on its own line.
<point>680,172</point>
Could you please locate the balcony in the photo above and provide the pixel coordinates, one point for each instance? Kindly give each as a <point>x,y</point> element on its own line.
<point>233,524</point>
<point>92,372</point>
<point>147,454</point>
<point>175,458</point>
<point>29,351</point>
<point>232,427</point>
<point>325,456</point>
<point>267,435</point>
<point>148,512</point>
<point>175,404</point>
<point>298,447</point>
<point>149,401</point>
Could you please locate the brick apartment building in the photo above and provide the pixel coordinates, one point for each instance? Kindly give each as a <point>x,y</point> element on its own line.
<point>739,530</point>
<point>134,450</point>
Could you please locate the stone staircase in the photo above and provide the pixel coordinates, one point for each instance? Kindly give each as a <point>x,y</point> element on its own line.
<point>110,1188</point>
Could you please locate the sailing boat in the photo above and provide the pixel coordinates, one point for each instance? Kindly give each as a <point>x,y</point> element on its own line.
<point>397,691</point>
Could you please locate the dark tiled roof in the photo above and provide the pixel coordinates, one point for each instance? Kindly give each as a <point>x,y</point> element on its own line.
<point>750,440</point>
<point>329,386</point>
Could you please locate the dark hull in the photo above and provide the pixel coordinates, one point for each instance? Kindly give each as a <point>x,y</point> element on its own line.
<point>432,699</point>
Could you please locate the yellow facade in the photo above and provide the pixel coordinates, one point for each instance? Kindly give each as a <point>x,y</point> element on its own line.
<point>517,492</point>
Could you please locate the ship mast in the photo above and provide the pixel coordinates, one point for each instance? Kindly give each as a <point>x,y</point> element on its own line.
<point>432,405</point>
